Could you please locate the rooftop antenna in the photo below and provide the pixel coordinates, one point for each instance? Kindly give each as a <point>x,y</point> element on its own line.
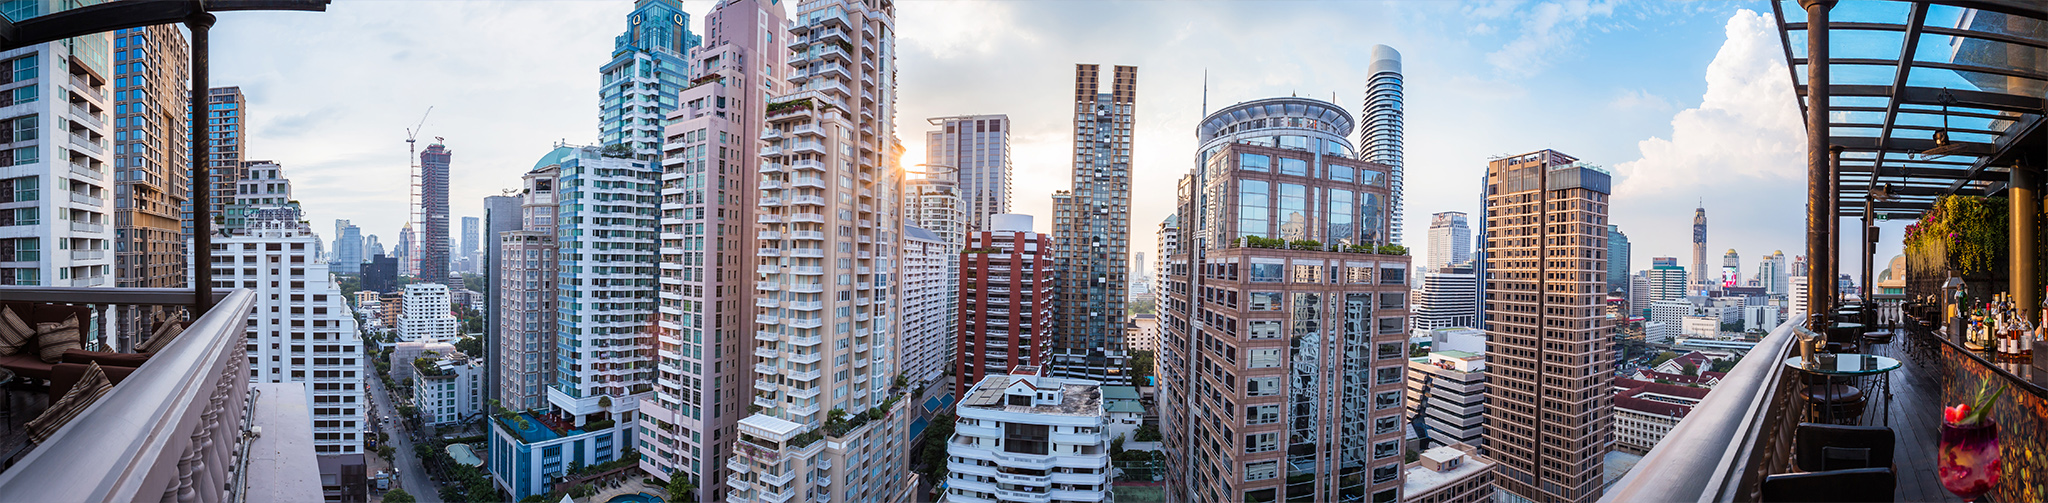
<point>1205,92</point>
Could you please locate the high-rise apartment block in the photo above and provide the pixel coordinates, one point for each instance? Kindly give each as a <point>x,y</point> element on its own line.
<point>1006,292</point>
<point>977,147</point>
<point>56,226</point>
<point>1025,438</point>
<point>1549,367</point>
<point>524,314</point>
<point>301,331</point>
<point>604,353</point>
<point>430,248</point>
<point>931,304</point>
<point>710,188</point>
<point>1448,297</point>
<point>833,211</point>
<point>647,69</point>
<point>1450,240</point>
<point>1380,130</point>
<point>1667,281</point>
<point>932,205</point>
<point>227,122</point>
<point>501,214</point>
<point>1285,354</point>
<point>1092,228</point>
<point>427,316</point>
<point>1617,260</point>
<point>152,166</point>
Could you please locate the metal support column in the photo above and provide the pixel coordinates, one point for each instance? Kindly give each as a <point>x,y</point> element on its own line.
<point>1869,250</point>
<point>202,186</point>
<point>2025,210</point>
<point>1818,178</point>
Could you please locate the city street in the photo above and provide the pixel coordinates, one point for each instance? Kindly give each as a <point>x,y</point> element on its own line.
<point>412,475</point>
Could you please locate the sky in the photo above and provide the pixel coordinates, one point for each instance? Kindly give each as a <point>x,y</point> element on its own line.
<point>1688,103</point>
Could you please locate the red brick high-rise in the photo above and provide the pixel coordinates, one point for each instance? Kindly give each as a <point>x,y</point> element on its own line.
<point>1006,294</point>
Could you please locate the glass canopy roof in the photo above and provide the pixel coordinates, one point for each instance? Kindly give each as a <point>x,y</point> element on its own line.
<point>1901,72</point>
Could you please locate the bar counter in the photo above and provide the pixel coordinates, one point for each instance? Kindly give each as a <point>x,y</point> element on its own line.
<point>2022,414</point>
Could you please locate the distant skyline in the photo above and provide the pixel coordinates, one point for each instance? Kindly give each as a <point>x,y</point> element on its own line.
<point>1683,101</point>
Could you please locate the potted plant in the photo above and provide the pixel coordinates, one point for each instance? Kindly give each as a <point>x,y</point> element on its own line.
<point>1969,458</point>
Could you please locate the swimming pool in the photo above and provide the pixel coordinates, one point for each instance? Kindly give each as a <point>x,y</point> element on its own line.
<point>634,498</point>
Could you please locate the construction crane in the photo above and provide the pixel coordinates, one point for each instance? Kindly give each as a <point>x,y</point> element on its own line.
<point>415,224</point>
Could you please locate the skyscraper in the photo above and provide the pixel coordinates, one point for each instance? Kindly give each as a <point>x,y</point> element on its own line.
<point>711,185</point>
<point>1092,228</point>
<point>348,248</point>
<point>638,86</point>
<point>1282,367</point>
<point>1667,281</point>
<point>430,250</point>
<point>470,227</point>
<point>1380,130</point>
<point>1450,240</point>
<point>1617,259</point>
<point>55,222</point>
<point>151,111</point>
<point>834,138</point>
<point>1549,368</point>
<point>1699,249</point>
<point>1773,271</point>
<point>979,147</point>
<point>1731,269</point>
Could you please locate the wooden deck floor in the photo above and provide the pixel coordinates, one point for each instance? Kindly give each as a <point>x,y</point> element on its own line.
<point>1915,417</point>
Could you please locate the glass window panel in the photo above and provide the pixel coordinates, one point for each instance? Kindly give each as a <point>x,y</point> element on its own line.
<point>1339,216</point>
<point>1293,211</point>
<point>1253,162</point>
<point>1296,167</point>
<point>1341,173</point>
<point>1254,200</point>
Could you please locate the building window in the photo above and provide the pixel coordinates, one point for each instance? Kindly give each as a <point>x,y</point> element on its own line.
<point>1262,442</point>
<point>1254,208</point>
<point>1254,162</point>
<point>1387,448</point>
<point>1386,425</point>
<point>1266,329</point>
<point>1262,470</point>
<point>1261,414</point>
<point>1262,386</point>
<point>1265,358</point>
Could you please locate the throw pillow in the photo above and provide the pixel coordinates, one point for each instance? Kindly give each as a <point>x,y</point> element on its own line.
<point>164,333</point>
<point>14,333</point>
<point>88,390</point>
<point>53,339</point>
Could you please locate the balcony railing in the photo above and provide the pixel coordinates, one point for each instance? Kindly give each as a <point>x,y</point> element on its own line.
<point>1730,441</point>
<point>174,429</point>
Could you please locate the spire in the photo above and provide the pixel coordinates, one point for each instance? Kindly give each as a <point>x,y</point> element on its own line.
<point>1205,92</point>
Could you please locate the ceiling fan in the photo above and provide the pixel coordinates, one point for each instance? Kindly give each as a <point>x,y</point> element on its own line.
<point>1942,145</point>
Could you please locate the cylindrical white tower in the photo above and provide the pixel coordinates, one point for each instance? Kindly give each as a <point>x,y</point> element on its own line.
<point>1379,132</point>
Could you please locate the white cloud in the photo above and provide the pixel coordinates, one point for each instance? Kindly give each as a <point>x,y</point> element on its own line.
<point>1742,151</point>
